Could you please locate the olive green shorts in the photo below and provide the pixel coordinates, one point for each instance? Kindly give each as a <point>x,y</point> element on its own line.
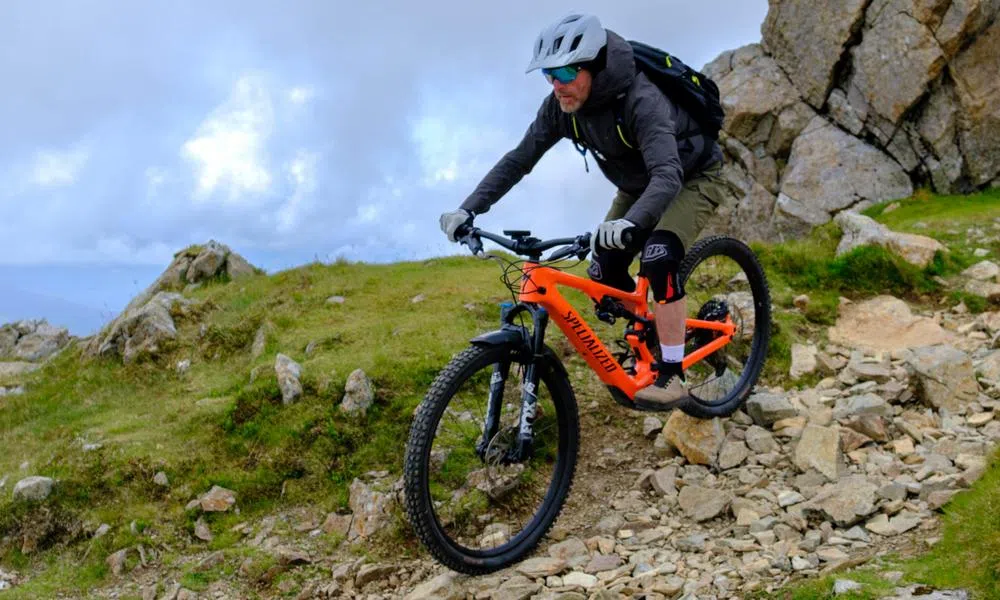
<point>689,211</point>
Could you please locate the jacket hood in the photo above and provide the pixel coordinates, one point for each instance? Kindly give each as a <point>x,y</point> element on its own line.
<point>616,77</point>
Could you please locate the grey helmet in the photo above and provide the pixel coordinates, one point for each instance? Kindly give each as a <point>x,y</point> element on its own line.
<point>573,39</point>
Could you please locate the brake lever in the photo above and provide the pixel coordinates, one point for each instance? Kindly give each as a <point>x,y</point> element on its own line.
<point>466,234</point>
<point>474,243</point>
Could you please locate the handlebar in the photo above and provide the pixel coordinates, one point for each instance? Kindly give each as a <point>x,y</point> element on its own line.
<point>522,244</point>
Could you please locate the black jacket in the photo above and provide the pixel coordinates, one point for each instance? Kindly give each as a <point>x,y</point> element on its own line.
<point>653,170</point>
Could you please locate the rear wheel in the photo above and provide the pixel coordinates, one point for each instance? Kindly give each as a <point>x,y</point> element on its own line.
<point>723,278</point>
<point>476,506</point>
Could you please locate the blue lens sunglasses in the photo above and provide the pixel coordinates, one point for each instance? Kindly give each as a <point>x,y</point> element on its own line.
<point>563,75</point>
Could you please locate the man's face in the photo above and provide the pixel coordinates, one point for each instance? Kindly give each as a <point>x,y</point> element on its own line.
<point>572,95</point>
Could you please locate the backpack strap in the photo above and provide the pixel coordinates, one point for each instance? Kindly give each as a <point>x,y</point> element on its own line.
<point>578,143</point>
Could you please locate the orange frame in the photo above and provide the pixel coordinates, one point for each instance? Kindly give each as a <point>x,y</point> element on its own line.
<point>541,285</point>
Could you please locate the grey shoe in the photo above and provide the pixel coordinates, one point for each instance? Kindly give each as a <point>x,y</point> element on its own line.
<point>666,393</point>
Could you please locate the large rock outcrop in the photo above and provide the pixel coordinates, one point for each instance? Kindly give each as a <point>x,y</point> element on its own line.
<point>147,325</point>
<point>846,104</point>
<point>31,341</point>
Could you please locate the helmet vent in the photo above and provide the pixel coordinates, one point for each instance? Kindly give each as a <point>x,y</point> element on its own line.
<point>576,42</point>
<point>556,43</point>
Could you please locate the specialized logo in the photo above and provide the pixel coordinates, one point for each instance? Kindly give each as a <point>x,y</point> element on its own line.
<point>593,346</point>
<point>655,251</point>
<point>594,270</point>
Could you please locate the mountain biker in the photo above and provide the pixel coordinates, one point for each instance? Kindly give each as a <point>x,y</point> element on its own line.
<point>669,176</point>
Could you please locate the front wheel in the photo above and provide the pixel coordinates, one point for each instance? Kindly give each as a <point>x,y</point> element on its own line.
<point>723,278</point>
<point>474,500</point>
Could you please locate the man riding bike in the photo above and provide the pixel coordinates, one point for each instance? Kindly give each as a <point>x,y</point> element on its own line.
<point>668,174</point>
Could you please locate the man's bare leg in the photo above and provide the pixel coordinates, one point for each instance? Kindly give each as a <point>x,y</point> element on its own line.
<point>670,319</point>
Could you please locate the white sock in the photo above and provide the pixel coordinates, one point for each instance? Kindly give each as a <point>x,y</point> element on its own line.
<point>672,353</point>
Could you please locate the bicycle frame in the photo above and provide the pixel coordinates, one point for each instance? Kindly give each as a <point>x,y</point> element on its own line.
<point>539,287</point>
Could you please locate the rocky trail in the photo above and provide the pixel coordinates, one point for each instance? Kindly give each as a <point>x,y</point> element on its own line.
<point>800,483</point>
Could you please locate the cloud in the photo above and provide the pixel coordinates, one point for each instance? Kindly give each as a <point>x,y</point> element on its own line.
<point>56,168</point>
<point>228,150</point>
<point>301,174</point>
<point>300,95</point>
<point>291,130</point>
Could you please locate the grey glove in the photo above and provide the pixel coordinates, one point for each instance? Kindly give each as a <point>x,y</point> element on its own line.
<point>609,235</point>
<point>451,220</point>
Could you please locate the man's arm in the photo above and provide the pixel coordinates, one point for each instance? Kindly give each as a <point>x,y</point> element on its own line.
<point>652,119</point>
<point>541,135</point>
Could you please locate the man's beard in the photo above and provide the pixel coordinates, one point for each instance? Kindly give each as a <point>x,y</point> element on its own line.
<point>570,105</point>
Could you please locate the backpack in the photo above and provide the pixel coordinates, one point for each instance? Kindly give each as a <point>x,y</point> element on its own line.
<point>690,89</point>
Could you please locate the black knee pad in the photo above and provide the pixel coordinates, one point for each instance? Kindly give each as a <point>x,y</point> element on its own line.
<point>661,259</point>
<point>610,267</point>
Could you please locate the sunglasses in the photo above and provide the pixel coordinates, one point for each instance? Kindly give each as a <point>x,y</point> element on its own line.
<point>561,74</point>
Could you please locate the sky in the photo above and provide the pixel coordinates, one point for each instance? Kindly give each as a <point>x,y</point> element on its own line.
<point>289,131</point>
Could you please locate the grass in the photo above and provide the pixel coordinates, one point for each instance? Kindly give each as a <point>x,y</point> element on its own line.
<point>212,425</point>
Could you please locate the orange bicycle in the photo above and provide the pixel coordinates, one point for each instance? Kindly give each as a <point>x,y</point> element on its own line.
<point>493,445</point>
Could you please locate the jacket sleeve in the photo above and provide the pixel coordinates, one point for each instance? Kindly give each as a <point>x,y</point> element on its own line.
<point>541,135</point>
<point>652,119</point>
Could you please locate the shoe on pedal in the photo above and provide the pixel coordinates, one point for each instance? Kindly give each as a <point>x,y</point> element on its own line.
<point>666,393</point>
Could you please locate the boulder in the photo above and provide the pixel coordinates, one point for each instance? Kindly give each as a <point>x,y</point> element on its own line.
<point>945,376</point>
<point>859,230</point>
<point>963,20</point>
<point>830,170</point>
<point>885,323</point>
<point>702,504</point>
<point>896,60</point>
<point>845,502</point>
<point>984,270</point>
<point>359,394</point>
<point>141,331</point>
<point>974,72</point>
<point>698,440</point>
<point>938,127</point>
<point>766,409</point>
<point>803,360</point>
<point>217,499</point>
<point>33,488</point>
<point>288,372</point>
<point>33,340</point>
<point>819,448</point>
<point>753,94</point>
<point>807,39</point>
<point>370,508</point>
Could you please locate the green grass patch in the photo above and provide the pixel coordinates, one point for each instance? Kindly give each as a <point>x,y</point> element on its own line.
<point>968,555</point>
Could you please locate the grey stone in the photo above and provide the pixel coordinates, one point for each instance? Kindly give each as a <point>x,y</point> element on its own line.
<point>819,448</point>
<point>359,394</point>
<point>845,502</point>
<point>702,504</point>
<point>33,489</point>
<point>765,408</point>
<point>288,372</point>
<point>945,377</point>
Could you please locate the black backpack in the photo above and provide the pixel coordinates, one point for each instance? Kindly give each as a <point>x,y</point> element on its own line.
<point>692,90</point>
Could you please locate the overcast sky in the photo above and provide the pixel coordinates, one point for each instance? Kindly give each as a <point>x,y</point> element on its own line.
<point>288,130</point>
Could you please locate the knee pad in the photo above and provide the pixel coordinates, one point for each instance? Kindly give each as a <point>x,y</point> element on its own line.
<point>661,260</point>
<point>610,267</point>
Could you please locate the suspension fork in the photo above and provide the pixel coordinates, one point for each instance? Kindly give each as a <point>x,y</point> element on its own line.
<point>529,387</point>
